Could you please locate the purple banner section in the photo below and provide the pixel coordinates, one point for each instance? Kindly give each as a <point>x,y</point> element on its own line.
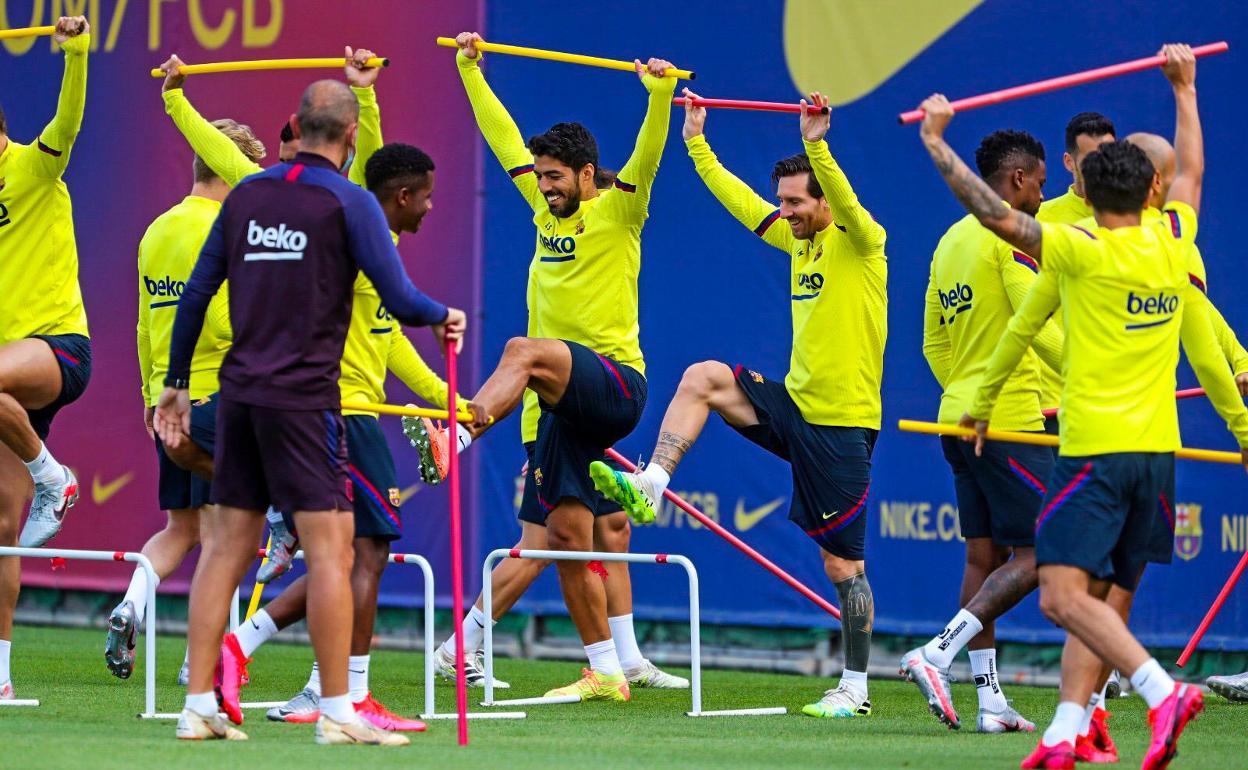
<point>130,164</point>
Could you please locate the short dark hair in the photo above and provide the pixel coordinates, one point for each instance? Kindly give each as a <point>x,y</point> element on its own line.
<point>1087,124</point>
<point>288,133</point>
<point>794,165</point>
<point>4,127</point>
<point>326,111</point>
<point>396,165</point>
<point>569,143</point>
<point>1117,177</point>
<point>604,178</point>
<point>1002,150</point>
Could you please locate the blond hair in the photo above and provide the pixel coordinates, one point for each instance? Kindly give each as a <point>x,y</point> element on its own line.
<point>243,138</point>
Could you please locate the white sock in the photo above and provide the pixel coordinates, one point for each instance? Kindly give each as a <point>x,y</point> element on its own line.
<point>984,668</point>
<point>314,681</point>
<point>255,631</point>
<point>357,677</point>
<point>1085,726</point>
<point>658,478</point>
<point>204,704</point>
<point>602,657</point>
<point>1152,683</point>
<point>5,646</point>
<point>625,639</point>
<point>472,629</point>
<point>1065,724</point>
<point>856,681</point>
<point>463,437</point>
<point>137,593</point>
<point>944,648</point>
<point>338,708</point>
<point>44,469</point>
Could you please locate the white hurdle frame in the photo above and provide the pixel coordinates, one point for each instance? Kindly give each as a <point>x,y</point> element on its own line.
<point>430,648</point>
<point>695,624</point>
<point>149,614</point>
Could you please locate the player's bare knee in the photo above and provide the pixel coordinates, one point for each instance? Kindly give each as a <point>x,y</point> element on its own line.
<point>612,533</point>
<point>704,379</point>
<point>8,530</point>
<point>521,351</point>
<point>371,556</point>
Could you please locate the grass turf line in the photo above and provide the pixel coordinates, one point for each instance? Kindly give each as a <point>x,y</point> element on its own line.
<point>87,720</point>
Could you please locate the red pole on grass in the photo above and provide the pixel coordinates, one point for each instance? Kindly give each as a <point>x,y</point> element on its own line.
<point>740,544</point>
<point>741,104</point>
<point>1065,81</point>
<point>1178,394</point>
<point>1213,611</point>
<point>457,555</point>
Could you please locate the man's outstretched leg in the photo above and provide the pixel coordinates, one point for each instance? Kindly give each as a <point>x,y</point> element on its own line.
<point>541,365</point>
<point>706,387</point>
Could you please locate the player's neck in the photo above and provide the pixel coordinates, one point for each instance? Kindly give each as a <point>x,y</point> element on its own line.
<point>1077,189</point>
<point>334,153</point>
<point>214,190</point>
<point>1114,221</point>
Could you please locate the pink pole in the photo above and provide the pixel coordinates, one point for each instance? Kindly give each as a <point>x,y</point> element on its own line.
<point>1065,81</point>
<point>1213,611</point>
<point>1178,394</point>
<point>713,526</point>
<point>457,555</point>
<point>741,104</point>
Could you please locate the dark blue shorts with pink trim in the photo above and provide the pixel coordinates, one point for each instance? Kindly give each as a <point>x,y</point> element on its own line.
<point>73,356</point>
<point>373,479</point>
<point>601,405</point>
<point>999,492</point>
<point>1109,515</point>
<point>831,466</point>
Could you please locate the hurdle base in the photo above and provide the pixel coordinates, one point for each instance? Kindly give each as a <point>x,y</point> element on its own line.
<point>20,703</point>
<point>553,700</point>
<point>758,712</point>
<point>478,715</point>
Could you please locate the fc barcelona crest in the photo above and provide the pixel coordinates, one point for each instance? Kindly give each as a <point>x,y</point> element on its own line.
<point>396,496</point>
<point>1187,531</point>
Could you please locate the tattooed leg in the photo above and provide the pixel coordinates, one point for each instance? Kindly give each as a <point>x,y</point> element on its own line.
<point>706,387</point>
<point>857,620</point>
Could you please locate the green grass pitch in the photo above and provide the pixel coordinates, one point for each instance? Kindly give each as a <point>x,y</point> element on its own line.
<point>87,720</point>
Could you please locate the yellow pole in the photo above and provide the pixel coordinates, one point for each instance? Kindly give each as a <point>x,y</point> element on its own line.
<point>404,411</point>
<point>267,64</point>
<point>570,58</point>
<point>258,589</point>
<point>1044,439</point>
<point>10,34</point>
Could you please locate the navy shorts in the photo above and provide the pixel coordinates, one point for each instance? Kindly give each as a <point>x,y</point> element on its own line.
<point>831,466</point>
<point>999,493</point>
<point>73,355</point>
<point>602,404</point>
<point>180,488</point>
<point>290,460</point>
<point>1109,515</point>
<point>371,468</point>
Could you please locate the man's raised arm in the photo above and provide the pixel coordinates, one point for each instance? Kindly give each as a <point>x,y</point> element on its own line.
<point>215,148</point>
<point>864,232</point>
<point>1189,143</point>
<point>57,138</point>
<point>636,178</point>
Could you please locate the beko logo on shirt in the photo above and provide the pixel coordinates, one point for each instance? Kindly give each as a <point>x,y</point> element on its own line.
<point>289,244</point>
<point>958,299</point>
<point>164,287</point>
<point>1161,305</point>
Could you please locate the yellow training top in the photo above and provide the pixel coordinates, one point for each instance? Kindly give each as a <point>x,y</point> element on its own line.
<point>839,301</point>
<point>1128,296</point>
<point>976,284</point>
<point>583,278</point>
<point>167,255</point>
<point>38,254</point>
<point>1066,209</point>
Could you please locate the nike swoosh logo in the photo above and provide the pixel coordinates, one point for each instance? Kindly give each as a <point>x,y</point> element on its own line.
<point>827,516</point>
<point>353,671</point>
<point>102,493</point>
<point>745,520</point>
<point>408,492</point>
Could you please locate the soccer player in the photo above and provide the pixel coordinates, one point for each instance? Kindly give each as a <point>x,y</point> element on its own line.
<point>45,355</point>
<point>1126,293</point>
<point>167,254</point>
<point>977,283</point>
<point>825,416</point>
<point>290,238</point>
<point>401,177</point>
<point>1093,743</point>
<point>581,363</point>
<point>1084,133</point>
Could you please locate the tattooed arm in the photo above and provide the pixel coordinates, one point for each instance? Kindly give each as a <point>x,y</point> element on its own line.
<point>1013,226</point>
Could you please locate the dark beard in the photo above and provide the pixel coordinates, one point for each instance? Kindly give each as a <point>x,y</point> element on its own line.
<point>570,207</point>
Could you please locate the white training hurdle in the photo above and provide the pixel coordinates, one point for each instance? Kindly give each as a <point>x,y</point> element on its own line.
<point>149,615</point>
<point>695,625</point>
